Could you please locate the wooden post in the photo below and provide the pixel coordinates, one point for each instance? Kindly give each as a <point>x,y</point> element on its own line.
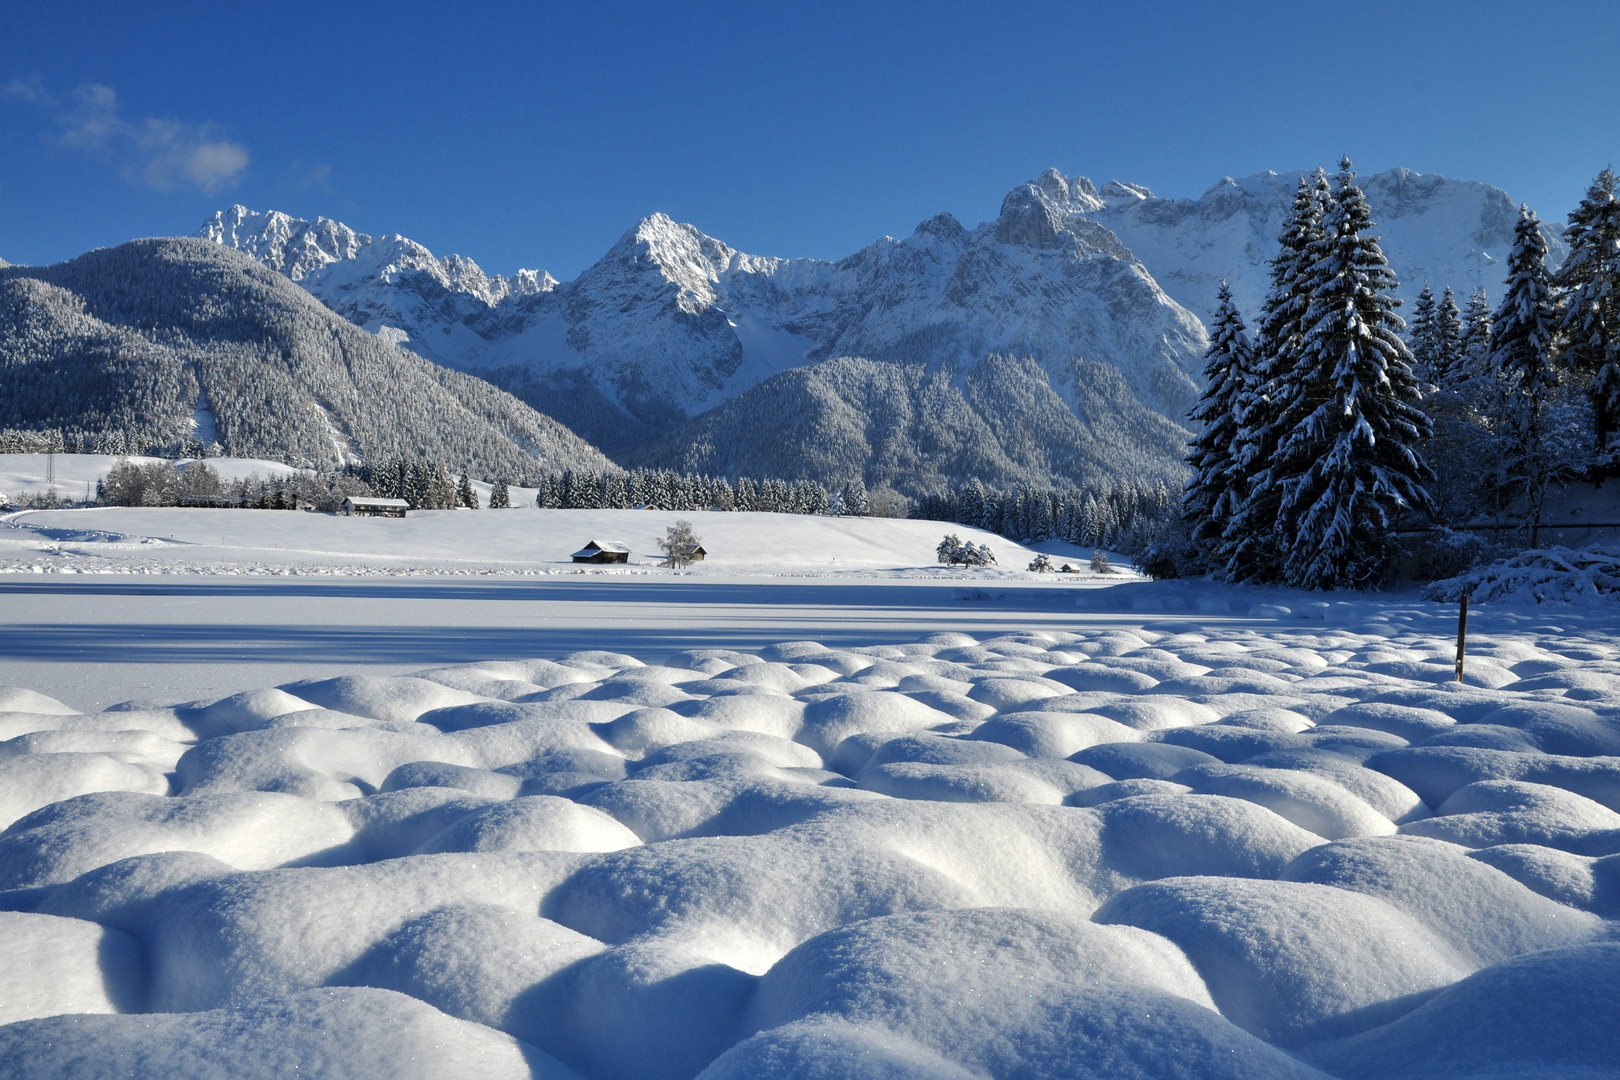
<point>1462,635</point>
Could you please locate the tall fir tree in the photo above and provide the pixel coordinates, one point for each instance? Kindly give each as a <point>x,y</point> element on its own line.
<point>1214,491</point>
<point>418,486</point>
<point>499,497</point>
<point>1475,353</point>
<point>1348,465</point>
<point>1590,277</point>
<point>1523,348</point>
<point>1447,341</point>
<point>1420,336</point>
<point>465,495</point>
<point>1249,548</point>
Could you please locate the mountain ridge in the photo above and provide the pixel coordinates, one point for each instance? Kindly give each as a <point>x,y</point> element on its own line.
<point>671,322</point>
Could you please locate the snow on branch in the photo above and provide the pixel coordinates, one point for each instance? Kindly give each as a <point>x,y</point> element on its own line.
<point>1554,575</point>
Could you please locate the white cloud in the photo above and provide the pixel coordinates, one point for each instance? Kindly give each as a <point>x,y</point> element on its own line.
<point>159,152</point>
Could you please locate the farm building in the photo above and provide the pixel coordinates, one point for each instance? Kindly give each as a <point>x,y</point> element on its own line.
<point>594,552</point>
<point>354,507</point>
<point>697,554</point>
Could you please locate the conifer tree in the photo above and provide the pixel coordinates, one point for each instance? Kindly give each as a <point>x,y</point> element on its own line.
<point>1212,493</point>
<point>1476,341</point>
<point>852,501</point>
<point>1522,352</point>
<point>417,489</point>
<point>499,497</point>
<point>1420,336</point>
<point>1591,320</point>
<point>1249,547</point>
<point>465,495</point>
<point>1348,464</point>
<point>443,488</point>
<point>1446,342</point>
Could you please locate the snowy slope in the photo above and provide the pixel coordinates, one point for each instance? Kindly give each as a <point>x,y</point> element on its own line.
<point>1259,846</point>
<point>1431,228</point>
<point>155,342</point>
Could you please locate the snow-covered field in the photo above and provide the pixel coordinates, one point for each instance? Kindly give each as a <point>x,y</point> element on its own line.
<point>514,541</point>
<point>1148,830</point>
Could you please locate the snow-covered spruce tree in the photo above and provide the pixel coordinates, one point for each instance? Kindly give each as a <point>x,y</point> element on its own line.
<point>853,500</point>
<point>1211,494</point>
<point>1475,352</point>
<point>1249,548</point>
<point>1420,335</point>
<point>499,497</point>
<point>465,495</point>
<point>1523,347</point>
<point>444,488</point>
<point>1446,341</point>
<point>1348,465</point>
<point>1591,319</point>
<point>416,490</point>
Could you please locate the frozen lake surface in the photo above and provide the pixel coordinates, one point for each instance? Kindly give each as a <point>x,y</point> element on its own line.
<point>473,814</point>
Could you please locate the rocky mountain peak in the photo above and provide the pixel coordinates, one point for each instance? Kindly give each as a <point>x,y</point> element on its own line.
<point>327,256</point>
<point>942,225</point>
<point>1030,217</point>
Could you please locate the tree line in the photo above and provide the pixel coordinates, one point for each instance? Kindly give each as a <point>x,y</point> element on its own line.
<point>1125,515</point>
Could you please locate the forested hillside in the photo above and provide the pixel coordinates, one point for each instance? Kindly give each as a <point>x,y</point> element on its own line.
<point>918,429</point>
<point>160,344</point>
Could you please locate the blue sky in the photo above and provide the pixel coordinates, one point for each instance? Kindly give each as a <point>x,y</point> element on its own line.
<point>534,135</point>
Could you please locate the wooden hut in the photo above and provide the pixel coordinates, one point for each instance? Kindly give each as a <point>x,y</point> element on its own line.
<point>594,552</point>
<point>354,507</point>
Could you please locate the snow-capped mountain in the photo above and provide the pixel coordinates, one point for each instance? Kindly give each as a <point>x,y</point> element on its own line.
<point>671,322</point>
<point>1431,228</point>
<point>372,281</point>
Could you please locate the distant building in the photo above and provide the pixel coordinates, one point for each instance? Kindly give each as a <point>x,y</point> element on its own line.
<point>602,553</point>
<point>696,554</point>
<point>354,507</point>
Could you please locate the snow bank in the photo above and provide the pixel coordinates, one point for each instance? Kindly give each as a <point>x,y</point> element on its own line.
<point>1174,850</point>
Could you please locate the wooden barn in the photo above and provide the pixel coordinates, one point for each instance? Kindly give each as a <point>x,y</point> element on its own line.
<point>697,554</point>
<point>353,507</point>
<point>595,552</point>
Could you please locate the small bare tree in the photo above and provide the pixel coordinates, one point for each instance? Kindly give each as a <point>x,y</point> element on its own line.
<point>678,544</point>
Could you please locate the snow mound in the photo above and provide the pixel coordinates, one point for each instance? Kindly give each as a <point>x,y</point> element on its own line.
<point>1177,850</point>
<point>1548,1014</point>
<point>382,1034</point>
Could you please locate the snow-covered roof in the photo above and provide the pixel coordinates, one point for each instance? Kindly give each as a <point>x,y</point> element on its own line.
<point>610,545</point>
<point>380,504</point>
